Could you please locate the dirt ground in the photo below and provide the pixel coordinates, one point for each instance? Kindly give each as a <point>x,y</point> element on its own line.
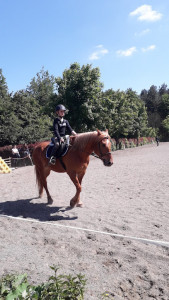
<point>129,198</point>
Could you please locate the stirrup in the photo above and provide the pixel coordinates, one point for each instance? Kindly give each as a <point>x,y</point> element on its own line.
<point>52,160</point>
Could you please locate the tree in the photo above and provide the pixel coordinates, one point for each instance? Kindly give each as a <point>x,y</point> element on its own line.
<point>152,102</point>
<point>125,114</point>
<point>157,104</point>
<point>34,125</point>
<point>163,90</point>
<point>3,87</point>
<point>80,90</point>
<point>5,111</point>
<point>165,128</point>
<point>164,106</point>
<point>42,87</point>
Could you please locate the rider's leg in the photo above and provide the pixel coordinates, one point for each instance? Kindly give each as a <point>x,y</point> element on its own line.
<point>54,151</point>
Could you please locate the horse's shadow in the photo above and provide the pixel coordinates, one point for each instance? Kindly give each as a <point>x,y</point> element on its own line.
<point>39,211</point>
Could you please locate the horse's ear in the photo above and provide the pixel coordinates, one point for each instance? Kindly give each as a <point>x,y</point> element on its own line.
<point>99,132</point>
<point>107,130</point>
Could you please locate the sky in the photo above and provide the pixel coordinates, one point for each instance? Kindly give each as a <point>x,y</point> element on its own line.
<point>128,40</point>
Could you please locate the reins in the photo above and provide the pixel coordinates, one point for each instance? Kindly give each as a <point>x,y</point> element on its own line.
<point>101,154</point>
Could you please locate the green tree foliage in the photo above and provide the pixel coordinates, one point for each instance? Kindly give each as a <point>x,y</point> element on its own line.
<point>34,125</point>
<point>3,87</point>
<point>42,87</point>
<point>124,114</point>
<point>27,116</point>
<point>153,104</point>
<point>164,107</point>
<point>165,128</point>
<point>157,104</point>
<point>22,117</point>
<point>6,114</point>
<point>79,90</point>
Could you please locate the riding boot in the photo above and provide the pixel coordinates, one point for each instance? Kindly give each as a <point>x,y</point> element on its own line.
<point>53,154</point>
<point>52,158</point>
<point>60,150</point>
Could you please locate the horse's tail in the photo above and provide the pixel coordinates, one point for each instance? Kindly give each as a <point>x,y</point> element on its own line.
<point>38,170</point>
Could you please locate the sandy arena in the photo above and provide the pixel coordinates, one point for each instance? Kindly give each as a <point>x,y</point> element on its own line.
<point>130,198</point>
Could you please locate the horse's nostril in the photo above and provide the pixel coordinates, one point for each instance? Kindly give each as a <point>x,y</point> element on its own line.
<point>108,163</point>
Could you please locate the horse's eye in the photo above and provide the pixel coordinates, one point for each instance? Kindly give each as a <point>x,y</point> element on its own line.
<point>104,145</point>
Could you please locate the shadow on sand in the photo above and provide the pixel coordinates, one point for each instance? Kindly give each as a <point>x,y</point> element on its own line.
<point>39,211</point>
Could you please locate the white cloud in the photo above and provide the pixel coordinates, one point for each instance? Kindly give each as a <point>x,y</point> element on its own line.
<point>99,53</point>
<point>143,32</point>
<point>145,13</point>
<point>149,48</point>
<point>127,52</point>
<point>99,46</point>
<point>94,56</point>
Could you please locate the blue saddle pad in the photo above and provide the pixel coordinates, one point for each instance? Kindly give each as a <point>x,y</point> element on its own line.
<point>50,147</point>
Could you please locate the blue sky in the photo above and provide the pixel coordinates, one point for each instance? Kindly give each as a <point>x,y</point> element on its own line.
<point>127,40</point>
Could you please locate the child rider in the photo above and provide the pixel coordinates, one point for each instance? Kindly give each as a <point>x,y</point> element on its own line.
<point>60,126</point>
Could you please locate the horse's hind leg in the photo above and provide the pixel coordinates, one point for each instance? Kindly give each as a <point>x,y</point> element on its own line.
<point>44,182</point>
<point>39,180</point>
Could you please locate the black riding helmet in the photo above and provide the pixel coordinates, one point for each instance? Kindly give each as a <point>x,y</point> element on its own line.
<point>60,107</point>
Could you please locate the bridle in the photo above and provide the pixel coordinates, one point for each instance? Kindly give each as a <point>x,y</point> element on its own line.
<point>100,152</point>
<point>101,155</point>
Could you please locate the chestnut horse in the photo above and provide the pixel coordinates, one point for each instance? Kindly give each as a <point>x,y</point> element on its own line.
<point>75,161</point>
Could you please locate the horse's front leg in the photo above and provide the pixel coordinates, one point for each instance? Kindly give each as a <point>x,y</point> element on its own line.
<point>76,179</point>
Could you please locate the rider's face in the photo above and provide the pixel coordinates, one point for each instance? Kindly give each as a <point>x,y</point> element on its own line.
<point>61,113</point>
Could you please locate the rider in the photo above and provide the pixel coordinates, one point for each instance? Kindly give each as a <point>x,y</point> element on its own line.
<point>60,125</point>
<point>157,140</point>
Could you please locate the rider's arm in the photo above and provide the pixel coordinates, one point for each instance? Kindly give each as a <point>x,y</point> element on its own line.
<point>56,130</point>
<point>70,128</point>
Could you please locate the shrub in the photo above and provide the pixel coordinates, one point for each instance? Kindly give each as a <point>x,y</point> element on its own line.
<point>113,144</point>
<point>127,144</point>
<point>61,287</point>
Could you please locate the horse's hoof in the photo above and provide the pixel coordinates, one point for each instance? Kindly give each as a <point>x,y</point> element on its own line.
<point>79,205</point>
<point>50,201</point>
<point>72,204</point>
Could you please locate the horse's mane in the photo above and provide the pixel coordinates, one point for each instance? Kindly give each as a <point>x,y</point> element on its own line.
<point>82,139</point>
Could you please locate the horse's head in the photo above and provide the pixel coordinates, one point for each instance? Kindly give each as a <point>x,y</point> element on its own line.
<point>103,147</point>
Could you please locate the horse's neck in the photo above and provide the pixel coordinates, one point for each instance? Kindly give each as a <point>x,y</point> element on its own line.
<point>85,142</point>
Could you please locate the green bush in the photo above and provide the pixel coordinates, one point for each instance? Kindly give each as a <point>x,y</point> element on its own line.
<point>127,144</point>
<point>58,287</point>
<point>113,145</point>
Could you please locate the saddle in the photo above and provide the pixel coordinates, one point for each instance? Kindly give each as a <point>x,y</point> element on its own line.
<point>62,150</point>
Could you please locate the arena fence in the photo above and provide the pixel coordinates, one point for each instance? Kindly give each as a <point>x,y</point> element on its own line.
<point>19,162</point>
<point>8,161</point>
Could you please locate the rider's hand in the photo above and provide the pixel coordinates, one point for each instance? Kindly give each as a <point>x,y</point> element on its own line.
<point>62,140</point>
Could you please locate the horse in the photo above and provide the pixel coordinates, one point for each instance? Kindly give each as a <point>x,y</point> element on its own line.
<point>75,162</point>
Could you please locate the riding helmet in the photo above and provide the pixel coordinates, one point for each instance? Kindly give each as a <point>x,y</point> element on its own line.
<point>60,107</point>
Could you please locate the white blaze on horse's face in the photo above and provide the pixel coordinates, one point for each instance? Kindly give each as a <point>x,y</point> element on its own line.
<point>104,149</point>
<point>106,152</point>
